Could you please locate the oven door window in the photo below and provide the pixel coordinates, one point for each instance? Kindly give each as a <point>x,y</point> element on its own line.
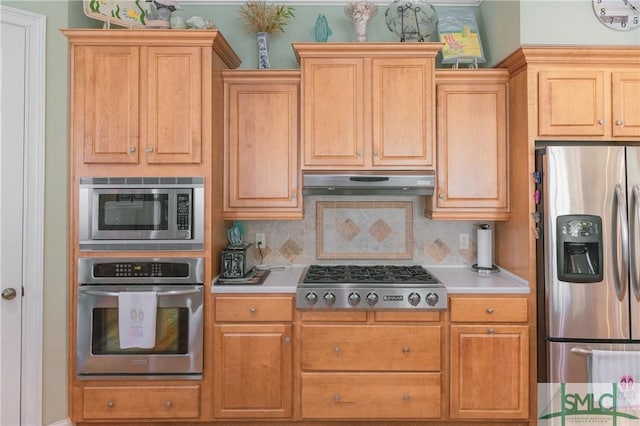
<point>172,332</point>
<point>133,212</point>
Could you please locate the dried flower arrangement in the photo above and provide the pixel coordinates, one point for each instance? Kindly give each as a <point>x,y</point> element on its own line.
<point>259,16</point>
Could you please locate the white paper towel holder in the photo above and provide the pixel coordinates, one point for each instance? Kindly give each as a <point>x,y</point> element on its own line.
<point>484,270</point>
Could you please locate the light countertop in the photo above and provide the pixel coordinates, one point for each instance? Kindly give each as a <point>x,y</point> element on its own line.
<point>457,279</point>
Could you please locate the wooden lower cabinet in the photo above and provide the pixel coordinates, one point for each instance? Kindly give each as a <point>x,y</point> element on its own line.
<point>489,359</point>
<point>371,396</point>
<point>140,402</point>
<point>253,357</point>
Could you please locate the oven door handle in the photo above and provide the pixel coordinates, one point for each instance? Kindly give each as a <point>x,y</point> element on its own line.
<point>159,294</point>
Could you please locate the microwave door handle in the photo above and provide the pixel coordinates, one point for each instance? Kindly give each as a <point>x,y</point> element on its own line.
<point>159,294</point>
<point>621,276</point>
<point>635,223</point>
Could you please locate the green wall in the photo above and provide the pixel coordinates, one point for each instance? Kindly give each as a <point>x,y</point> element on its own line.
<point>504,25</point>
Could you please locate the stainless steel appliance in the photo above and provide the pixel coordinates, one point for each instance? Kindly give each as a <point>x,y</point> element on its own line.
<point>369,183</point>
<point>178,284</point>
<point>588,216</point>
<point>141,213</point>
<point>370,288</point>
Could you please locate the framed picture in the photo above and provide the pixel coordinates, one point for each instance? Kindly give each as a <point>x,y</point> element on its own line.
<point>458,30</point>
<point>124,13</point>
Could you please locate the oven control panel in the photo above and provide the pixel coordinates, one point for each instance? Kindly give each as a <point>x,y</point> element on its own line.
<point>140,269</point>
<point>122,270</point>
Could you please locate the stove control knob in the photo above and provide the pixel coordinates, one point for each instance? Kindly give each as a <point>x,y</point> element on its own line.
<point>311,298</point>
<point>414,299</point>
<point>354,299</point>
<point>432,299</point>
<point>329,298</point>
<point>372,298</point>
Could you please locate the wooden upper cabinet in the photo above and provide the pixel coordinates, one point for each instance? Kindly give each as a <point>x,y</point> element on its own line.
<point>625,103</point>
<point>261,172</point>
<point>367,106</point>
<point>141,97</point>
<point>472,124</point>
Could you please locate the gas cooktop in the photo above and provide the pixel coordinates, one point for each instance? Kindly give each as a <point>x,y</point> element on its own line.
<point>370,288</point>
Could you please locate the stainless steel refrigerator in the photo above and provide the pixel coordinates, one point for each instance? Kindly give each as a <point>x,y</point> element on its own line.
<point>588,249</point>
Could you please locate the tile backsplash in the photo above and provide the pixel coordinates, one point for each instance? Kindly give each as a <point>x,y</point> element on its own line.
<point>350,229</point>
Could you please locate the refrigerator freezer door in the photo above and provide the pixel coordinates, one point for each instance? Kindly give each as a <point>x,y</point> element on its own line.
<point>569,361</point>
<point>633,190</point>
<point>582,180</point>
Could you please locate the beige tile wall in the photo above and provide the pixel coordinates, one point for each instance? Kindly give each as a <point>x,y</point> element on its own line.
<point>350,229</point>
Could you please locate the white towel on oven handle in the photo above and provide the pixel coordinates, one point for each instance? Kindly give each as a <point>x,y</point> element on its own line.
<point>621,368</point>
<point>137,319</point>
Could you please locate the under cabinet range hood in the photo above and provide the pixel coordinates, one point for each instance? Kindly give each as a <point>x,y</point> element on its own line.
<point>368,183</point>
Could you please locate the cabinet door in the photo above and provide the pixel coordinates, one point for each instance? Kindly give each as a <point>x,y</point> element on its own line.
<point>472,151</point>
<point>571,103</point>
<point>253,371</point>
<point>489,372</point>
<point>105,87</point>
<point>625,104</point>
<point>402,112</point>
<point>261,151</point>
<point>173,104</point>
<point>332,112</point>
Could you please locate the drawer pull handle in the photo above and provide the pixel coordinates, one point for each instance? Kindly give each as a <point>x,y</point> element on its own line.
<point>287,340</point>
<point>336,350</point>
<point>406,397</point>
<point>336,398</point>
<point>168,404</point>
<point>253,309</point>
<point>489,310</point>
<point>491,331</point>
<point>405,349</point>
<point>111,404</point>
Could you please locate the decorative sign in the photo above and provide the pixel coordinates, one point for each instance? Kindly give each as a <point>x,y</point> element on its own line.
<point>458,30</point>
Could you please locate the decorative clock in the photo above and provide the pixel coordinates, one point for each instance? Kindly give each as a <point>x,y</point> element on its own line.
<point>618,14</point>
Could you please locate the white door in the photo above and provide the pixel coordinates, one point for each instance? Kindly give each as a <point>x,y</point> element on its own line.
<point>21,216</point>
<point>11,205</point>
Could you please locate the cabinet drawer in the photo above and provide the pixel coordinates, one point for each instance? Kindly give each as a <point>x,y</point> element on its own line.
<point>365,395</point>
<point>370,348</point>
<point>238,308</point>
<point>488,309</point>
<point>126,402</point>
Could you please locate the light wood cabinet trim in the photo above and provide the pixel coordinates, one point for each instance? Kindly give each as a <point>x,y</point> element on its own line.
<point>253,309</point>
<point>489,372</point>
<point>371,396</point>
<point>354,50</point>
<point>402,316</point>
<point>333,316</point>
<point>141,402</point>
<point>361,348</point>
<point>488,309</point>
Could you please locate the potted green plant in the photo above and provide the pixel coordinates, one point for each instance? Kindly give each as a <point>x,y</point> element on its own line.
<point>264,19</point>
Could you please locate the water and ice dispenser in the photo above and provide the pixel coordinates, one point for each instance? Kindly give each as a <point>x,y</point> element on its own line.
<point>579,239</point>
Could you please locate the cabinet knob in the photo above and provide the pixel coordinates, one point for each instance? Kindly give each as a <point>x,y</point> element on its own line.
<point>375,153</point>
<point>294,196</point>
<point>601,122</point>
<point>253,309</point>
<point>441,196</point>
<point>359,153</point>
<point>405,349</point>
<point>489,310</point>
<point>132,149</point>
<point>111,404</point>
<point>491,331</point>
<point>406,397</point>
<point>287,340</point>
<point>149,149</point>
<point>168,404</point>
<point>336,349</point>
<point>619,122</point>
<point>336,397</point>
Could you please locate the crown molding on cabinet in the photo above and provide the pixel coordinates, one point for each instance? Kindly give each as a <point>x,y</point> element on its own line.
<point>327,2</point>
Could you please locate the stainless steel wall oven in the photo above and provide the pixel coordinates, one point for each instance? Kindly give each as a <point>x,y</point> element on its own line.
<point>176,288</point>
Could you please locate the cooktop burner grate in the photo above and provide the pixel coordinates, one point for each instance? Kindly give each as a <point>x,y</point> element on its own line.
<point>389,274</point>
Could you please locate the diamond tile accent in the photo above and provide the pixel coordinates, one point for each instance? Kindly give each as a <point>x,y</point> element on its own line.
<point>380,230</point>
<point>438,250</point>
<point>291,249</point>
<point>348,229</point>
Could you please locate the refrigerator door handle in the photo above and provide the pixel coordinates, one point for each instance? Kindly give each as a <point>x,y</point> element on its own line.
<point>621,279</point>
<point>635,223</point>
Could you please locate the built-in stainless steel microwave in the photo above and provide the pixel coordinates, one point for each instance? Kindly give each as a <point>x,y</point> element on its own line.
<point>141,213</point>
